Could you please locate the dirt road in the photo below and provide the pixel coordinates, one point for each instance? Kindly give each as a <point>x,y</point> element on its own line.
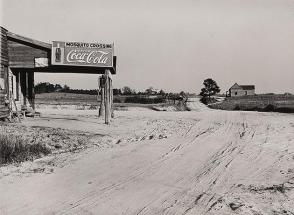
<point>206,162</point>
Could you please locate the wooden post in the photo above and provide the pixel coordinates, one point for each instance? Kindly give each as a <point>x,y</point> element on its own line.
<point>98,92</point>
<point>111,99</point>
<point>102,103</point>
<point>17,85</point>
<point>31,95</point>
<point>33,90</point>
<point>26,89</point>
<point>107,96</point>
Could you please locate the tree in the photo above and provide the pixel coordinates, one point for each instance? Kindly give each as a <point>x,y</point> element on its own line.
<point>126,90</point>
<point>57,87</point>
<point>66,88</point>
<point>161,92</point>
<point>44,87</point>
<point>117,91</point>
<point>210,88</point>
<point>184,96</point>
<point>149,91</point>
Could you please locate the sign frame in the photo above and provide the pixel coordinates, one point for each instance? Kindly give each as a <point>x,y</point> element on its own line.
<point>82,54</point>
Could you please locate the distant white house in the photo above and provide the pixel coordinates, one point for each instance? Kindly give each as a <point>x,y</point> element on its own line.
<point>241,90</point>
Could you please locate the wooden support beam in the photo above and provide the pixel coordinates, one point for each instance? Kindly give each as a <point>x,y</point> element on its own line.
<point>107,96</point>
<point>102,94</point>
<point>31,95</point>
<point>18,86</point>
<point>26,88</point>
<point>111,99</point>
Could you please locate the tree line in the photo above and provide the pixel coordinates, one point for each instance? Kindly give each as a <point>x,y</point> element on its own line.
<point>210,88</point>
<point>46,87</point>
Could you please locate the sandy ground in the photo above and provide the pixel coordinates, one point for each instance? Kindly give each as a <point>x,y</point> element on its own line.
<point>147,162</point>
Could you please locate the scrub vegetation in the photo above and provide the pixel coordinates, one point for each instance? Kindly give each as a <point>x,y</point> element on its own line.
<point>283,103</point>
<point>18,149</point>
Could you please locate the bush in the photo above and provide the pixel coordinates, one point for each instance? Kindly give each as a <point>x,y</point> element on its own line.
<point>116,100</point>
<point>285,110</point>
<point>17,149</point>
<point>144,100</point>
<point>93,107</point>
<point>207,100</point>
<point>204,100</point>
<point>269,108</point>
<point>237,107</point>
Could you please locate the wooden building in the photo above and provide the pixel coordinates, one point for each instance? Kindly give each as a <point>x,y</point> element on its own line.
<point>4,104</point>
<point>19,62</point>
<point>241,90</point>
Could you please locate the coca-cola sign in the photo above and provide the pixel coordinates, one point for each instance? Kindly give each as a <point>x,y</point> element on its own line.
<point>82,54</point>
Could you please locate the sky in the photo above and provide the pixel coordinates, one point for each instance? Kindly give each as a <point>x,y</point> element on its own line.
<point>169,44</point>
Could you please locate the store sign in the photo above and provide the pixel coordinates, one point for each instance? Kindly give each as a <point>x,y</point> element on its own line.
<point>82,54</point>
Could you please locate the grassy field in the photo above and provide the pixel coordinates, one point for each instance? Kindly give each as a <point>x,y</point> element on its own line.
<point>121,102</point>
<point>66,98</point>
<point>72,98</point>
<point>275,102</point>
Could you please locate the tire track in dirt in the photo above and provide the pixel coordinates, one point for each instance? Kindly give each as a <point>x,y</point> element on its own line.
<point>218,159</point>
<point>217,164</point>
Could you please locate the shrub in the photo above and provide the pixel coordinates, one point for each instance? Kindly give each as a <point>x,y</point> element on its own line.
<point>116,100</point>
<point>93,107</point>
<point>203,100</point>
<point>269,108</point>
<point>17,149</point>
<point>285,110</point>
<point>253,109</point>
<point>144,100</point>
<point>237,107</point>
<point>207,100</point>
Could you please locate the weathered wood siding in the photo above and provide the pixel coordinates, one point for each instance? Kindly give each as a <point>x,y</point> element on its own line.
<point>4,109</point>
<point>4,47</point>
<point>23,55</point>
<point>241,92</point>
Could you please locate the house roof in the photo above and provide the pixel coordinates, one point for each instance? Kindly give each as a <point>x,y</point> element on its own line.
<point>235,86</point>
<point>247,87</point>
<point>243,87</point>
<point>28,41</point>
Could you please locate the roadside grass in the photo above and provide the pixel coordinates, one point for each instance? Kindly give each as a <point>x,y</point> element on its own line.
<point>66,98</point>
<point>263,103</point>
<point>121,102</point>
<point>18,149</point>
<point>74,99</point>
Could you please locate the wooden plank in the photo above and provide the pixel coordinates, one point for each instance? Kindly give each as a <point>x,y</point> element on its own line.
<point>4,115</point>
<point>66,69</point>
<point>2,93</point>
<point>3,108</point>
